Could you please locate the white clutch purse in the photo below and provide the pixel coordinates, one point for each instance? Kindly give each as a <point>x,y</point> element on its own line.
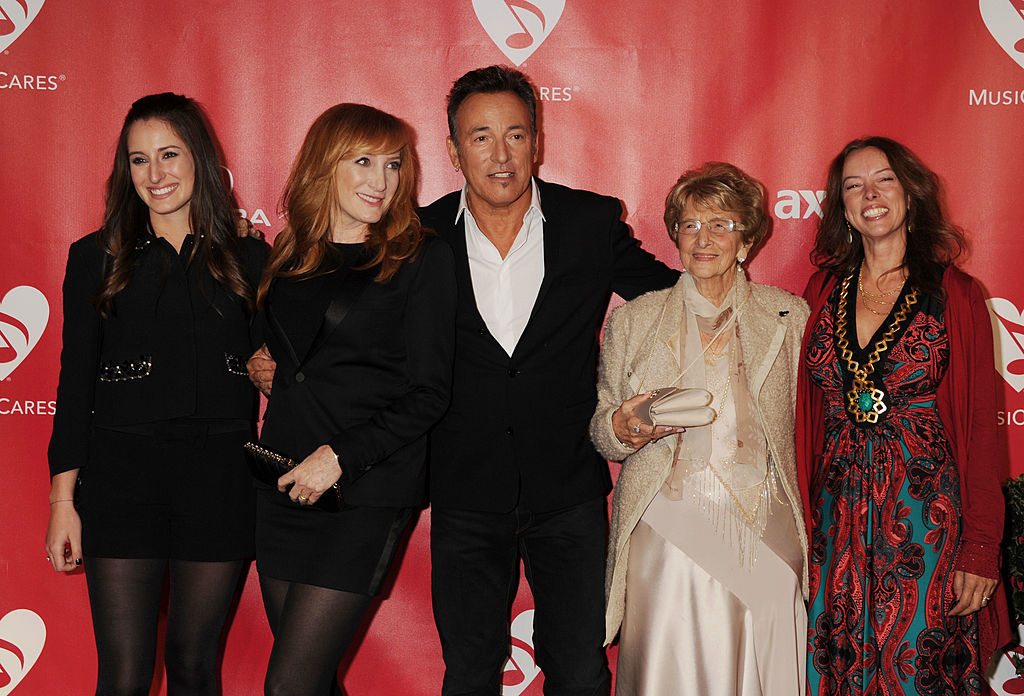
<point>677,407</point>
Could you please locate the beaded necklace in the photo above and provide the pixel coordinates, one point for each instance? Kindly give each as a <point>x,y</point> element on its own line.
<point>865,402</point>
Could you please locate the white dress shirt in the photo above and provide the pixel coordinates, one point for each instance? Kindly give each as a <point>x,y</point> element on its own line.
<point>506,288</point>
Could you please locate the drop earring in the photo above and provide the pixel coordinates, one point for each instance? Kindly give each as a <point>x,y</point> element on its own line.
<point>849,233</point>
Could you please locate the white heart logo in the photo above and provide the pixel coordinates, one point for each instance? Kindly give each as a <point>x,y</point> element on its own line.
<point>1004,679</point>
<point>1008,335</point>
<point>22,634</point>
<point>1005,21</point>
<point>518,27</point>
<point>23,314</point>
<point>521,665</point>
<point>15,16</point>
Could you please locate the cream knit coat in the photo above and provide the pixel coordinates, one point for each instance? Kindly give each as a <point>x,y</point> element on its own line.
<point>770,329</point>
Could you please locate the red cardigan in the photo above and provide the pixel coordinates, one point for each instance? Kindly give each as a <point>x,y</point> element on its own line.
<point>966,398</point>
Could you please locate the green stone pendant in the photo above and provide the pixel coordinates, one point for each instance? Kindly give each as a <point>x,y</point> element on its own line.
<point>864,401</point>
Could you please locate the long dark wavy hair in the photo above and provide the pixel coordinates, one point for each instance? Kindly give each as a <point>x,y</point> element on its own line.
<point>212,217</point>
<point>933,243</point>
<point>303,247</point>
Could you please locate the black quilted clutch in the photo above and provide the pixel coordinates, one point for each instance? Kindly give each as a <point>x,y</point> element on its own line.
<point>268,466</point>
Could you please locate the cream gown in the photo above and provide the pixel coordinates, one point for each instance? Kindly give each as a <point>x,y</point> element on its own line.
<point>704,616</point>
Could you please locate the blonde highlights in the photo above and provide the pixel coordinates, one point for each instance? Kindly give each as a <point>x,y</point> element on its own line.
<point>341,132</point>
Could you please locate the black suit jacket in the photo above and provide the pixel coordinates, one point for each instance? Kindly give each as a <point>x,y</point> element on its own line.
<point>175,346</point>
<point>516,430</point>
<point>374,385</point>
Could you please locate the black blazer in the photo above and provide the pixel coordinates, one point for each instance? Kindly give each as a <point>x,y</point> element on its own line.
<point>175,346</point>
<point>374,385</point>
<point>516,431</point>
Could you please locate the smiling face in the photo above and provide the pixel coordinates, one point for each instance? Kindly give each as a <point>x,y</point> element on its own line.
<point>365,184</point>
<point>873,197</point>
<point>708,257</point>
<point>496,149</point>
<point>162,169</point>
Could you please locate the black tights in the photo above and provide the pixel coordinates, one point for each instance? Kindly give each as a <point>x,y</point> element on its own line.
<point>125,593</point>
<point>312,628</point>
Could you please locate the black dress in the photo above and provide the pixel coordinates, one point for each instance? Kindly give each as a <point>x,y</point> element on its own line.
<point>370,388</point>
<point>153,406</point>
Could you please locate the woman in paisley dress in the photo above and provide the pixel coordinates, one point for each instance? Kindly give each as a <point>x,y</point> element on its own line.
<point>899,454</point>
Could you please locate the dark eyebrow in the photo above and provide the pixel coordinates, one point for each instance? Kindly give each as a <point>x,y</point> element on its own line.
<point>479,129</point>
<point>159,149</point>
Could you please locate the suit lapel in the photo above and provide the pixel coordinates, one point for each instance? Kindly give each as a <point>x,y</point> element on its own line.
<point>761,337</point>
<point>657,364</point>
<point>455,235</point>
<point>347,291</point>
<point>281,334</point>
<point>557,221</point>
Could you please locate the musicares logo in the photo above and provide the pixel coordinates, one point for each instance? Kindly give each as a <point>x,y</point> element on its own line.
<point>23,314</point>
<point>1008,326</point>
<point>1005,21</point>
<point>15,16</point>
<point>22,635</point>
<point>518,27</point>
<point>521,667</point>
<point>1004,680</point>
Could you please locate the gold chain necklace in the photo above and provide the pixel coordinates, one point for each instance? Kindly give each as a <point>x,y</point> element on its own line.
<point>864,301</point>
<point>864,402</point>
<point>860,286</point>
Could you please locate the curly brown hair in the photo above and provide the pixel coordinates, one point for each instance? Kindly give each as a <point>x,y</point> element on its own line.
<point>933,243</point>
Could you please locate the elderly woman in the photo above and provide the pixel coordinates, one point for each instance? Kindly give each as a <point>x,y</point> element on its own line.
<point>707,555</point>
<point>898,440</point>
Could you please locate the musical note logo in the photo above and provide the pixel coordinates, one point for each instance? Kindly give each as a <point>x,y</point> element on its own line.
<point>1008,330</point>
<point>22,636</point>
<point>1019,5</point>
<point>15,16</point>
<point>23,315</point>
<point>521,667</point>
<point>518,27</point>
<point>1005,21</point>
<point>1004,679</point>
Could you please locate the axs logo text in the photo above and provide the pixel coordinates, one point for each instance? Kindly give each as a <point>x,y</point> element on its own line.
<point>795,205</point>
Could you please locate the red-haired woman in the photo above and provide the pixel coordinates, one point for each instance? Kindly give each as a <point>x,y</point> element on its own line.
<point>358,304</point>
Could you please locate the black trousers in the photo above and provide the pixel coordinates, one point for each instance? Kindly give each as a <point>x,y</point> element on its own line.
<point>475,573</point>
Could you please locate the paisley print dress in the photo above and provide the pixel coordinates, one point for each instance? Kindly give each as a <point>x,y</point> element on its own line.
<point>886,514</point>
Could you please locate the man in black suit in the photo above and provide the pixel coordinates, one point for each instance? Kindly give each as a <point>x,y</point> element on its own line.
<point>513,473</point>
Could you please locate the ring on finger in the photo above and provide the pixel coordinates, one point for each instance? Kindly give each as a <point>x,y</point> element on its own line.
<point>302,498</point>
<point>636,428</point>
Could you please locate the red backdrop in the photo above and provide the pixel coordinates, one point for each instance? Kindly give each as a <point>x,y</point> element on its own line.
<point>632,94</point>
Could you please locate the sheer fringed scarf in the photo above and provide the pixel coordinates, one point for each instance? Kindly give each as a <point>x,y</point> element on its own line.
<point>724,467</point>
